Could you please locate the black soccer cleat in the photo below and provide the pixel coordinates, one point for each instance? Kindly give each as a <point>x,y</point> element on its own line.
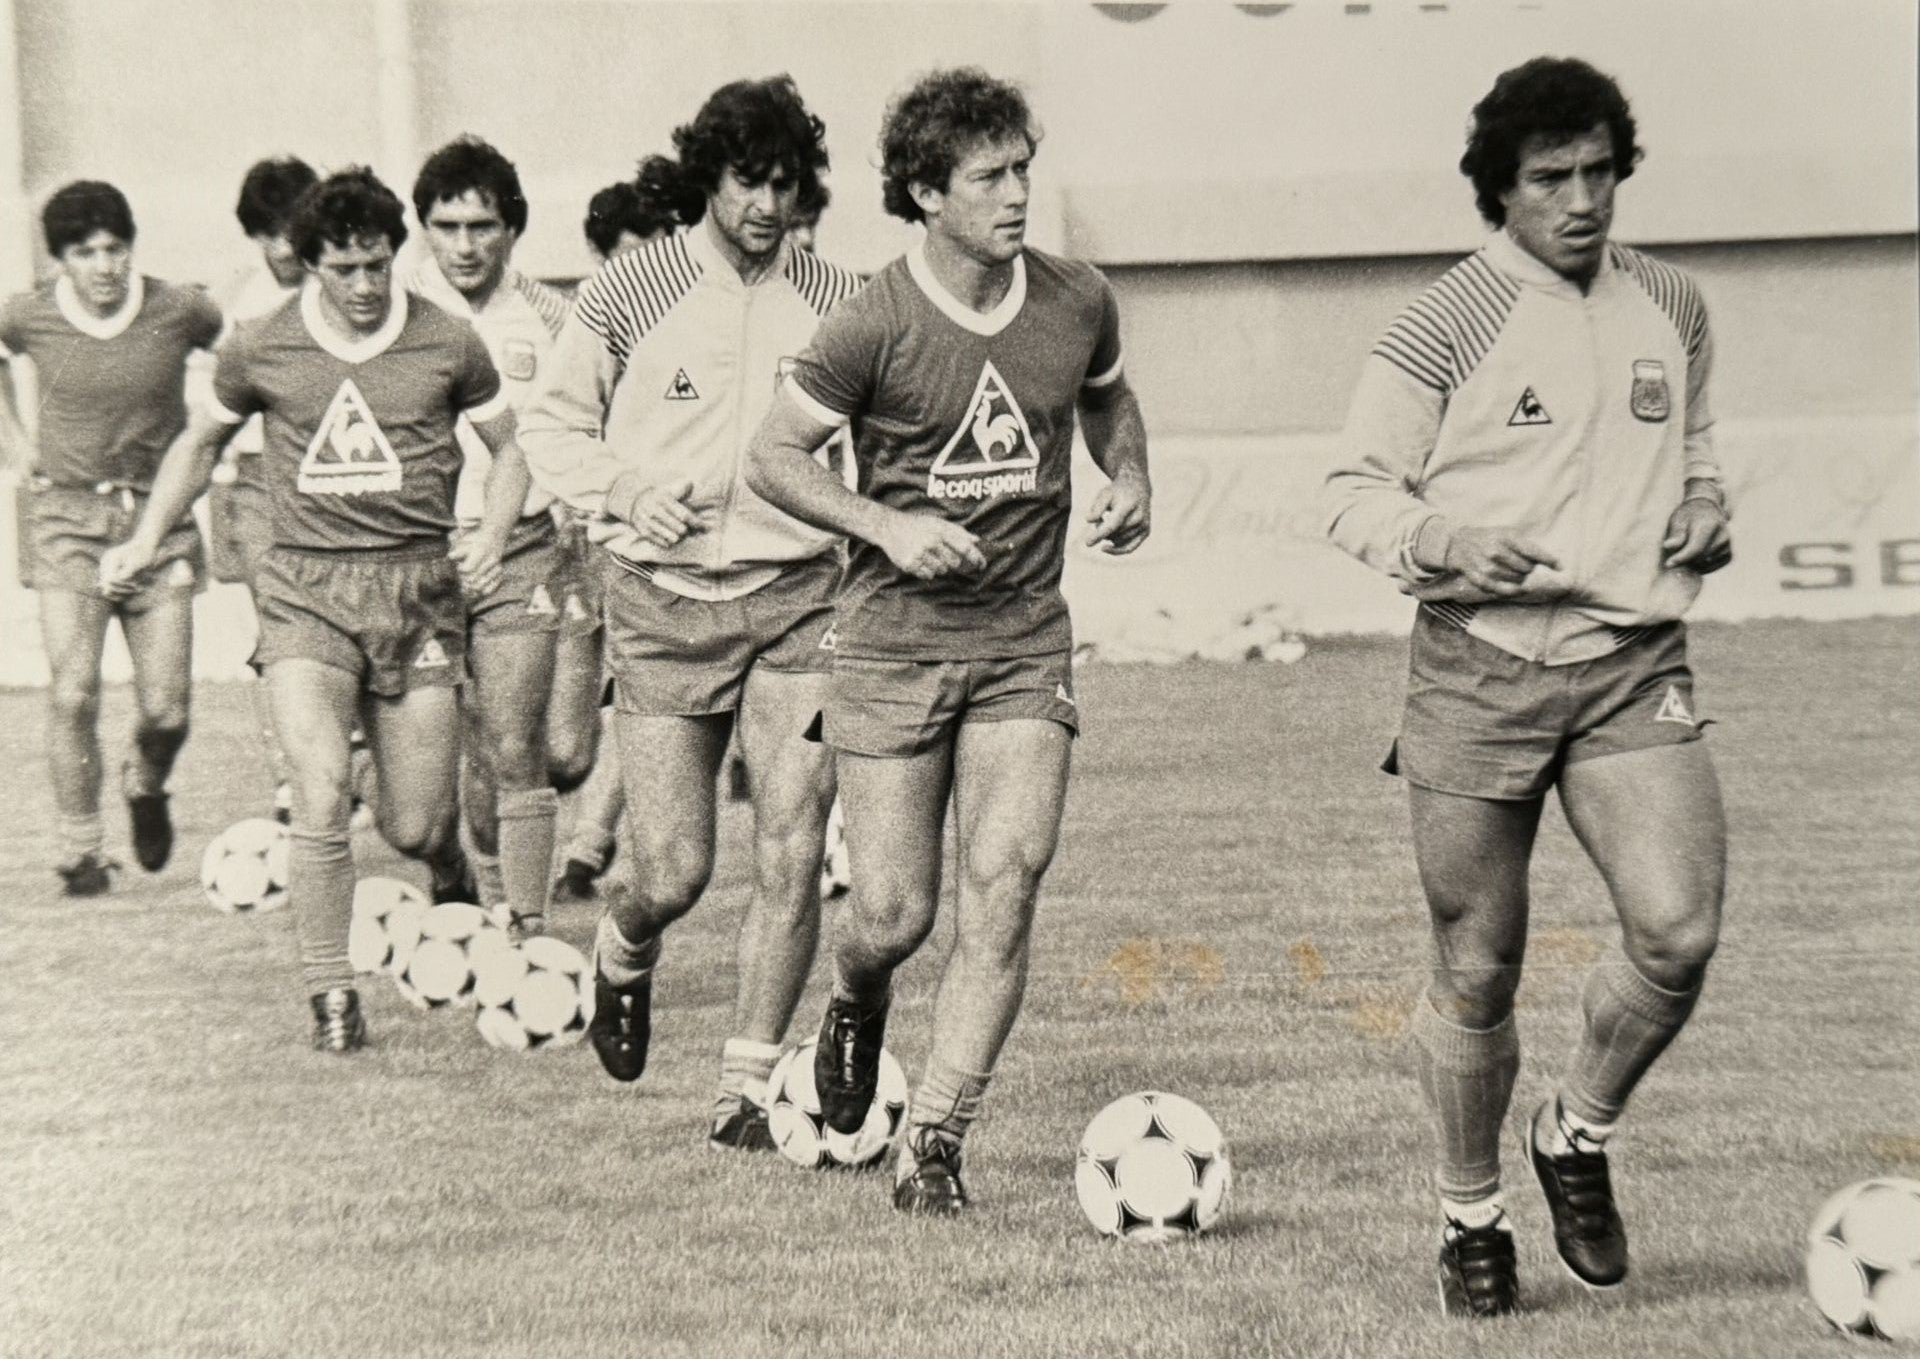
<point>933,1186</point>
<point>1479,1275</point>
<point>1587,1230</point>
<point>622,1025</point>
<point>90,875</point>
<point>576,881</point>
<point>745,1129</point>
<point>458,885</point>
<point>152,830</point>
<point>846,1063</point>
<point>338,1024</point>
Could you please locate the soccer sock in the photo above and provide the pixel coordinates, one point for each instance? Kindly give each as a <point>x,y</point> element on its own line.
<point>526,847</point>
<point>1467,1077</point>
<point>1479,1213</point>
<point>946,1104</point>
<point>621,961</point>
<point>320,882</point>
<point>154,751</point>
<point>1630,1021</point>
<point>489,882</point>
<point>744,1068</point>
<point>80,835</point>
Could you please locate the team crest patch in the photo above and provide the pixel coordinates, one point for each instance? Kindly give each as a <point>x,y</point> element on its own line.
<point>1528,411</point>
<point>432,656</point>
<point>1673,708</point>
<point>992,452</point>
<point>518,362</point>
<point>681,388</point>
<point>349,453</point>
<point>1650,399</point>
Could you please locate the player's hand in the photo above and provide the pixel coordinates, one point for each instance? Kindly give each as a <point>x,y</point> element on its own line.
<point>1121,515</point>
<point>927,546</point>
<point>122,566</point>
<point>1490,564</point>
<point>478,559</point>
<point>1698,537</point>
<point>663,515</point>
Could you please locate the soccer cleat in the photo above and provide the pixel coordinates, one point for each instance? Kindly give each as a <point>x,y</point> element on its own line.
<point>338,1024</point>
<point>576,881</point>
<point>1587,1230</point>
<point>744,1129</point>
<point>152,830</point>
<point>1479,1276</point>
<point>457,886</point>
<point>622,1024</point>
<point>522,927</point>
<point>90,875</point>
<point>933,1185</point>
<point>846,1063</point>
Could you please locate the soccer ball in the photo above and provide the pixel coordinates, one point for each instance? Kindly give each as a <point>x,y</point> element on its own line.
<point>1152,1167</point>
<point>800,1130</point>
<point>1863,1259</point>
<point>536,995</point>
<point>836,876</point>
<point>439,971</point>
<point>245,868</point>
<point>386,924</point>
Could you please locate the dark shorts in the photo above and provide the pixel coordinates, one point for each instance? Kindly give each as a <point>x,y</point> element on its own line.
<point>680,657</point>
<point>68,529</point>
<point>581,613</point>
<point>900,708</point>
<point>1482,722</point>
<point>532,586</point>
<point>240,520</point>
<point>395,618</point>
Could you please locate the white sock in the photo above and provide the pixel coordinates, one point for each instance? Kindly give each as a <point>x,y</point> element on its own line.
<point>1480,1213</point>
<point>1555,1133</point>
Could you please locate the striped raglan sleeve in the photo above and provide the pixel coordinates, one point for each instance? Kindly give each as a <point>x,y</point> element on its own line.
<point>1678,297</point>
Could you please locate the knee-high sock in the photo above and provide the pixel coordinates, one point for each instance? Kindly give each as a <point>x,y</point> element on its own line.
<point>947,1102</point>
<point>1629,1022</point>
<point>526,847</point>
<point>1467,1077</point>
<point>620,960</point>
<point>320,872</point>
<point>745,1066</point>
<point>151,759</point>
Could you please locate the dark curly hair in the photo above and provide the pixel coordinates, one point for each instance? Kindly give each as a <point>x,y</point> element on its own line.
<point>468,165</point>
<point>620,208</point>
<point>754,127</point>
<point>77,210</point>
<point>942,117</point>
<point>348,206</point>
<point>269,191</point>
<point>1558,98</point>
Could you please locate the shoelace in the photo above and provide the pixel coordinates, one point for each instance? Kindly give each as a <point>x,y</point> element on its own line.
<point>1589,1188</point>
<point>846,1037</point>
<point>1486,1255</point>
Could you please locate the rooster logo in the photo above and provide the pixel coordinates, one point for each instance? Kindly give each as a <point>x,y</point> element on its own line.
<point>993,436</point>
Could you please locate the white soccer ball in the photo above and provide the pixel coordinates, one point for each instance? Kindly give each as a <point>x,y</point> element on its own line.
<point>800,1130</point>
<point>538,994</point>
<point>836,872</point>
<point>245,867</point>
<point>1153,1167</point>
<point>1863,1259</point>
<point>439,971</point>
<point>385,925</point>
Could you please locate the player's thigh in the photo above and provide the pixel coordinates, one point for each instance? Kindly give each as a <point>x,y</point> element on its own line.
<point>414,739</point>
<point>573,704</point>
<point>314,706</point>
<point>160,643</point>
<point>513,675</point>
<point>668,767</point>
<point>1010,790</point>
<point>73,632</point>
<point>896,812</point>
<point>1472,855</point>
<point>791,777</point>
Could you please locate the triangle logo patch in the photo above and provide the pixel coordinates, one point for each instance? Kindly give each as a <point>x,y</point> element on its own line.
<point>1528,411</point>
<point>432,655</point>
<point>349,454</point>
<point>829,640</point>
<point>540,602</point>
<point>1673,708</point>
<point>681,388</point>
<point>576,610</point>
<point>993,449</point>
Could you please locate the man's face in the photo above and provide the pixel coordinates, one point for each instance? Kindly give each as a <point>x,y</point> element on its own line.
<point>753,218</point>
<point>1560,207</point>
<point>983,209</point>
<point>356,282</point>
<point>100,269</point>
<point>470,242</point>
<point>279,254</point>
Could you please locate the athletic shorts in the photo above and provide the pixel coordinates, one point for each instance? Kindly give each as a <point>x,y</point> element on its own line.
<point>680,657</point>
<point>69,528</point>
<point>581,591</point>
<point>396,617</point>
<point>240,520</point>
<point>532,584</point>
<point>900,708</point>
<point>1482,722</point>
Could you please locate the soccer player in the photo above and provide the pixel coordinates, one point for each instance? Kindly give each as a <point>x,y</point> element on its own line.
<point>468,198</point>
<point>717,604</point>
<point>361,604</point>
<point>960,370</point>
<point>110,348</point>
<point>1529,455</point>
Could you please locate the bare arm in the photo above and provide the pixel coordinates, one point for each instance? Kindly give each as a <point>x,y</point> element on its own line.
<point>180,480</point>
<point>1122,513</point>
<point>478,554</point>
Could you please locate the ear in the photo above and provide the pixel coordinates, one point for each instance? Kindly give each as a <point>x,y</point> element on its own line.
<point>927,198</point>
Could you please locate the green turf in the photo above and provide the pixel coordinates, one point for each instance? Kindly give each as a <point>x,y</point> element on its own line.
<point>1233,916</point>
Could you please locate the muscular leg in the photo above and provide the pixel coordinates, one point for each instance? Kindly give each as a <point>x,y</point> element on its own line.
<point>160,641</point>
<point>573,710</point>
<point>73,630</point>
<point>313,710</point>
<point>668,765</point>
<point>896,810</point>
<point>512,677</point>
<point>597,811</point>
<point>414,740</point>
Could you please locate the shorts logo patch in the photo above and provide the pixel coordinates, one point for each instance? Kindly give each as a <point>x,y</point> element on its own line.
<point>992,452</point>
<point>1060,692</point>
<point>1673,708</point>
<point>349,453</point>
<point>681,388</point>
<point>518,362</point>
<point>576,610</point>
<point>180,573</point>
<point>1651,401</point>
<point>540,602</point>
<point>830,640</point>
<point>432,656</point>
<point>1528,411</point>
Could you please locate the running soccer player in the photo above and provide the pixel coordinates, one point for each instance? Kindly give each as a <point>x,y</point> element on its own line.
<point>468,198</point>
<point>361,601</point>
<point>110,349</point>
<point>960,370</point>
<point>717,605</point>
<point>1529,455</point>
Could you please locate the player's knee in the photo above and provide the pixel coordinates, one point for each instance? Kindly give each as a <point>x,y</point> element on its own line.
<point>75,701</point>
<point>1009,871</point>
<point>1477,990</point>
<point>892,917</point>
<point>321,803</point>
<point>418,834</point>
<point>999,942</point>
<point>567,770</point>
<point>517,760</point>
<point>1675,953</point>
<point>161,735</point>
<point>670,881</point>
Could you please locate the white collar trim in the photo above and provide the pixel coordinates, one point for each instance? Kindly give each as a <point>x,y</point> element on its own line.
<point>100,327</point>
<point>980,323</point>
<point>352,351</point>
<point>430,281</point>
<point>1515,259</point>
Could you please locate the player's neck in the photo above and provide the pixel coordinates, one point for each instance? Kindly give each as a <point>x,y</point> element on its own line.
<point>751,268</point>
<point>341,325</point>
<point>977,284</point>
<point>481,296</point>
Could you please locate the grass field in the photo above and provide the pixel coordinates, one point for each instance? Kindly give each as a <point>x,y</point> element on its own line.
<point>1233,916</point>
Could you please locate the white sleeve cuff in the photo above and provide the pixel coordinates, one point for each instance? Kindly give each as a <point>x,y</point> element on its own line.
<point>1111,376</point>
<point>492,408</point>
<point>218,410</point>
<point>826,415</point>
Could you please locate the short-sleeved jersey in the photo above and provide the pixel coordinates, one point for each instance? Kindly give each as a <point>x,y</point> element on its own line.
<point>112,388</point>
<point>361,453</point>
<point>969,416</point>
<point>252,294</point>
